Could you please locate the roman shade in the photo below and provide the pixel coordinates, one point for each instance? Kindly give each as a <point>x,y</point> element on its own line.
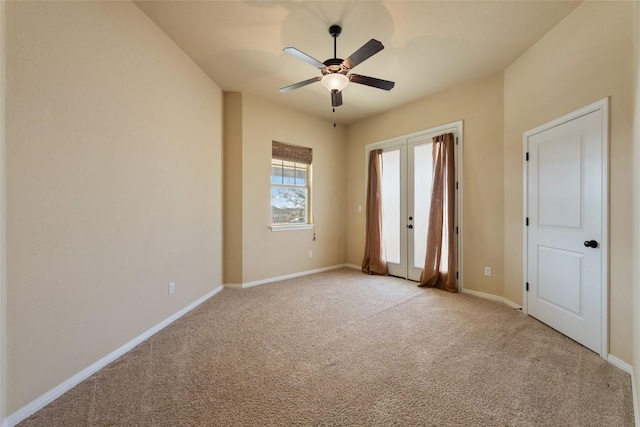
<point>291,153</point>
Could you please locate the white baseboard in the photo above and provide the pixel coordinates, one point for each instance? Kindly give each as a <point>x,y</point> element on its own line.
<point>620,364</point>
<point>355,267</point>
<point>233,285</point>
<point>491,297</point>
<point>285,277</point>
<point>51,395</point>
<point>634,393</point>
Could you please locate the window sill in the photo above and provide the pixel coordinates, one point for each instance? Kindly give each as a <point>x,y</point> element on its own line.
<point>292,227</point>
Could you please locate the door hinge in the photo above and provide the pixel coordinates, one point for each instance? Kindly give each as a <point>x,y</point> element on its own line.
<point>526,221</point>
<point>526,156</point>
<point>456,230</point>
<point>527,286</point>
<point>457,275</point>
<point>456,185</point>
<point>456,140</point>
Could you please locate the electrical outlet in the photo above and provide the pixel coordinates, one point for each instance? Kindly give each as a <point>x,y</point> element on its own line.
<point>310,254</point>
<point>172,288</point>
<point>487,271</point>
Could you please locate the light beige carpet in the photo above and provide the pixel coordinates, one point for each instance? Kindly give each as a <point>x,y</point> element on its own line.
<point>343,348</point>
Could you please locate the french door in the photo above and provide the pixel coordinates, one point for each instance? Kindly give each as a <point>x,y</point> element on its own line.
<point>407,169</point>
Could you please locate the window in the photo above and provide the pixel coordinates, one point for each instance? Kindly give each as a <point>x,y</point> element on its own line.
<point>290,185</point>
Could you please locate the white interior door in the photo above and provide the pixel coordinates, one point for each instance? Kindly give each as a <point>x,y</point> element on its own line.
<point>407,169</point>
<point>565,257</point>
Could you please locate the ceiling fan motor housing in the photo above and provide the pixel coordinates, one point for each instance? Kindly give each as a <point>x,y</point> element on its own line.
<point>334,65</point>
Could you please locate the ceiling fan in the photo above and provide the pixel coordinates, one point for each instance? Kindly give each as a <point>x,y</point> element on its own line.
<point>335,71</point>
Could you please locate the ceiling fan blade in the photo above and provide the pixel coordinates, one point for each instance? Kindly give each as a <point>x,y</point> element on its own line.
<point>369,49</point>
<point>372,81</point>
<point>301,55</point>
<point>336,99</point>
<point>299,84</point>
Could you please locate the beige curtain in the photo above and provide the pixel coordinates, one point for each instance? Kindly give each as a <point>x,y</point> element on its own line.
<point>373,261</point>
<point>439,265</point>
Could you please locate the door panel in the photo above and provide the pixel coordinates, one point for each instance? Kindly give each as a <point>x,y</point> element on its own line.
<point>565,210</point>
<point>560,179</point>
<point>560,278</point>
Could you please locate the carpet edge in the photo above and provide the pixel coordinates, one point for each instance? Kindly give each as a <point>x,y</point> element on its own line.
<point>52,394</point>
<point>253,283</point>
<point>491,297</point>
<point>634,396</point>
<point>618,363</point>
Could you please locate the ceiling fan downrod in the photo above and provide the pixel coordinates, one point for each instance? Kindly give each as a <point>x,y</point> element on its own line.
<point>335,31</point>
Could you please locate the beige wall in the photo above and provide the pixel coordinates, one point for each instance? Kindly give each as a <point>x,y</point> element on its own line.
<point>585,58</point>
<point>636,197</point>
<point>113,181</point>
<point>233,171</point>
<point>267,254</point>
<point>480,107</point>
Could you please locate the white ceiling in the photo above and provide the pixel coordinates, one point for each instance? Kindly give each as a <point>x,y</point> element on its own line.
<point>430,46</point>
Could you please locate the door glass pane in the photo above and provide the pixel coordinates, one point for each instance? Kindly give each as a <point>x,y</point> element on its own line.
<point>391,205</point>
<point>422,176</point>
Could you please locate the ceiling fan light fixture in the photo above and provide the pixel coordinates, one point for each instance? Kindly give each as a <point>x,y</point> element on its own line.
<point>335,81</point>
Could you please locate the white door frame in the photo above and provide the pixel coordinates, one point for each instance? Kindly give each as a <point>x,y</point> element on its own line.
<point>458,157</point>
<point>602,105</point>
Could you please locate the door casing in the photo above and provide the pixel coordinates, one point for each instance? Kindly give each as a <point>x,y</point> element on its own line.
<point>602,105</point>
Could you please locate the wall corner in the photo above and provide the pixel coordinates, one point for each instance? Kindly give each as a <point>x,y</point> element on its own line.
<point>232,174</point>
